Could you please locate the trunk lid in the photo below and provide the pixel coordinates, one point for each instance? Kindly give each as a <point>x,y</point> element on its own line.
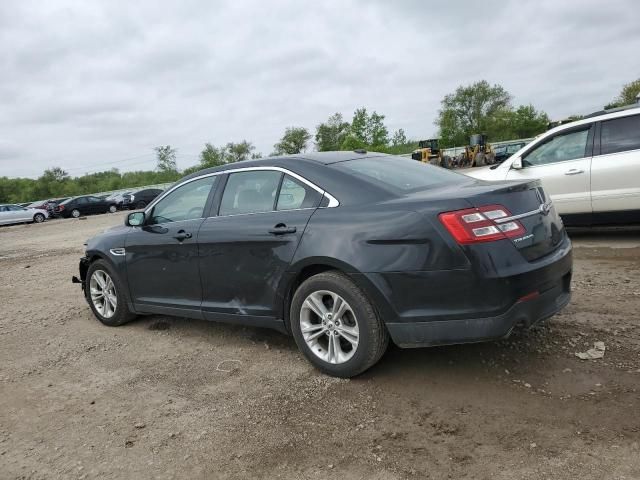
<point>526,202</point>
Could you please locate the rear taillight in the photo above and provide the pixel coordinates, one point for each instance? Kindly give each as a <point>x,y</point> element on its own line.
<point>475,225</point>
<point>60,208</point>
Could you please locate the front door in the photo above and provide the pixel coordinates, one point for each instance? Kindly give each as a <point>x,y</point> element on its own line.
<point>245,250</point>
<point>162,255</point>
<point>563,163</point>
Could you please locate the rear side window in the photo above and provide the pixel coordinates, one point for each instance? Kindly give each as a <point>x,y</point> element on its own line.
<point>562,147</point>
<point>620,135</point>
<point>400,174</point>
<point>250,192</point>
<point>295,194</point>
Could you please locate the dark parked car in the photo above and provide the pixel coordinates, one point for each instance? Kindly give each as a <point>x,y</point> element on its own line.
<point>53,203</point>
<point>342,250</point>
<point>140,199</point>
<point>85,205</point>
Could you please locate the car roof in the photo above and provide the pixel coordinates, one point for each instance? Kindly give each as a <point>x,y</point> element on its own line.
<point>598,117</point>
<point>317,158</point>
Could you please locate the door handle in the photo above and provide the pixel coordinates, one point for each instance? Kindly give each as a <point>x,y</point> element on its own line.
<point>282,229</point>
<point>182,235</point>
<point>573,171</point>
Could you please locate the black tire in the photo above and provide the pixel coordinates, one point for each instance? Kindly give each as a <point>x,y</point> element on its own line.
<point>75,213</point>
<point>38,218</point>
<point>140,205</point>
<point>113,209</point>
<point>373,335</point>
<point>122,314</point>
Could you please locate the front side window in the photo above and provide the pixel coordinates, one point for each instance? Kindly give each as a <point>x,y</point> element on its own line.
<point>184,203</point>
<point>620,135</point>
<point>568,146</point>
<point>296,194</point>
<point>250,192</point>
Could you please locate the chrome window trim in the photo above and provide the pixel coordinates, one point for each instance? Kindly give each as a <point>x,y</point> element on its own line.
<point>333,201</point>
<point>543,208</point>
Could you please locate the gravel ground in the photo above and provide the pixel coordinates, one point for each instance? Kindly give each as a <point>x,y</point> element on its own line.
<point>167,397</point>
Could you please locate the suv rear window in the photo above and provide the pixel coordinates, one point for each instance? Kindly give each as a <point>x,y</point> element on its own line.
<point>400,174</point>
<point>620,135</point>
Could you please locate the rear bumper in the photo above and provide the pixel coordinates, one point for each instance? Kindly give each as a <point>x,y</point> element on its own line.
<point>470,305</point>
<point>446,332</point>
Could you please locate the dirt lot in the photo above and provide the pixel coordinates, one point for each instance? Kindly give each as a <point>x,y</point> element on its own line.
<point>172,398</point>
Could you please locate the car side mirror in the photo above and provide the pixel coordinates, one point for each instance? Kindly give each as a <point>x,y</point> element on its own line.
<point>517,163</point>
<point>135,219</point>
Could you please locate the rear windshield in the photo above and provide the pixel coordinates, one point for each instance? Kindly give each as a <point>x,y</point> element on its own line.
<point>66,201</point>
<point>401,174</point>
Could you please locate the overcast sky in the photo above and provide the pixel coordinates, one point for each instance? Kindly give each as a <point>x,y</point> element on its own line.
<point>93,85</point>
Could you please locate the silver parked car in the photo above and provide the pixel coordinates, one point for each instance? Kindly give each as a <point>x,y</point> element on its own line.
<point>10,213</point>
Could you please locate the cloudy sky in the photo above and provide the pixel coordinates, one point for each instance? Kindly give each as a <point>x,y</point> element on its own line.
<point>91,85</point>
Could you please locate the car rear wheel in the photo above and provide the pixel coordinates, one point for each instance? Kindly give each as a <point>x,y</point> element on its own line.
<point>106,295</point>
<point>75,213</point>
<point>38,218</point>
<point>140,205</point>
<point>112,209</point>
<point>335,325</point>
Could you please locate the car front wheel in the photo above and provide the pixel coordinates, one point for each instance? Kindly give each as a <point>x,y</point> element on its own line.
<point>38,218</point>
<point>335,325</point>
<point>106,295</point>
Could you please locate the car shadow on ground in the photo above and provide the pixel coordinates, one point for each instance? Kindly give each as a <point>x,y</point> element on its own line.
<point>522,347</point>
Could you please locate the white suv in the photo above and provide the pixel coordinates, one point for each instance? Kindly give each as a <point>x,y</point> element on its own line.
<point>591,168</point>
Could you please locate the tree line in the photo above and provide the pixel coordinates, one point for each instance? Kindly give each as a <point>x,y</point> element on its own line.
<point>476,108</point>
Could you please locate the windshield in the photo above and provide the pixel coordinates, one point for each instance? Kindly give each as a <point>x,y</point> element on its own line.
<point>400,174</point>
<point>66,201</point>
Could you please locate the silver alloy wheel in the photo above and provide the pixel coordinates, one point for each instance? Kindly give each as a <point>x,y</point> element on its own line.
<point>75,213</point>
<point>113,209</point>
<point>103,293</point>
<point>38,218</point>
<point>329,327</point>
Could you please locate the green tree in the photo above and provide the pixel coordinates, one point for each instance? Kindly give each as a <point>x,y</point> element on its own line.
<point>528,122</point>
<point>628,95</point>
<point>470,109</point>
<point>237,152</point>
<point>366,131</point>
<point>398,138</point>
<point>331,135</point>
<point>377,133</point>
<point>211,156</point>
<point>293,141</point>
<point>166,159</point>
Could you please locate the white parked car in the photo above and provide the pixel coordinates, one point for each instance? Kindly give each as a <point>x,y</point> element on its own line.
<point>10,213</point>
<point>590,168</point>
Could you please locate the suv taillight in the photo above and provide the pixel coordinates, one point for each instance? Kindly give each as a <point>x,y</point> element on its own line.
<point>476,225</point>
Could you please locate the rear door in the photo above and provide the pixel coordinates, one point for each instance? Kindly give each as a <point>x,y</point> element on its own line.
<point>615,170</point>
<point>246,249</point>
<point>563,164</point>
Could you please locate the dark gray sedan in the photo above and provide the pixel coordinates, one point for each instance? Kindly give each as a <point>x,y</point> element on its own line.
<point>343,250</point>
